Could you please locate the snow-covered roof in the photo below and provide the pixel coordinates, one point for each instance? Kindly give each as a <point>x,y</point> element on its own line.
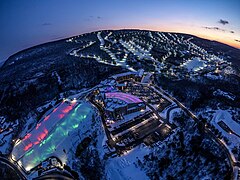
<point>112,104</point>
<point>128,98</point>
<point>124,74</point>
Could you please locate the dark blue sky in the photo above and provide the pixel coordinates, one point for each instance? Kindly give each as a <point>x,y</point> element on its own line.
<point>25,23</point>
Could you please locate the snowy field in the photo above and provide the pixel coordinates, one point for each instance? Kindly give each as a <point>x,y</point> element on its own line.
<point>194,64</point>
<point>6,134</point>
<point>172,112</point>
<point>163,114</point>
<point>226,117</point>
<point>124,167</point>
<point>53,135</point>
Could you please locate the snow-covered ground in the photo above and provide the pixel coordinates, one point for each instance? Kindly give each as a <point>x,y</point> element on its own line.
<point>164,112</point>
<point>233,140</point>
<point>219,92</point>
<point>137,50</point>
<point>119,62</point>
<point>53,136</point>
<point>6,134</point>
<point>100,38</point>
<point>212,76</point>
<point>171,115</point>
<point>140,52</point>
<point>194,64</point>
<point>226,117</point>
<point>58,77</point>
<point>124,167</point>
<point>75,52</point>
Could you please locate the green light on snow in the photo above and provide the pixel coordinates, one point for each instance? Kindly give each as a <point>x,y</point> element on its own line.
<point>75,126</point>
<point>30,152</point>
<point>51,149</point>
<point>56,136</point>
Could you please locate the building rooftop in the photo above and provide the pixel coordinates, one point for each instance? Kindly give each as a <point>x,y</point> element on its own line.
<point>124,74</point>
<point>128,98</point>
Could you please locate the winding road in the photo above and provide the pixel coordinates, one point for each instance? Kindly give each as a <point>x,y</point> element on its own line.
<point>13,166</point>
<point>207,130</point>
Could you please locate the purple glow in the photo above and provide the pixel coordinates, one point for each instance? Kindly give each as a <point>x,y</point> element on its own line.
<point>128,98</point>
<point>110,88</point>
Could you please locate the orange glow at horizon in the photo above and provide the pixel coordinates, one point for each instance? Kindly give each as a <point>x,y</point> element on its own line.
<point>220,36</point>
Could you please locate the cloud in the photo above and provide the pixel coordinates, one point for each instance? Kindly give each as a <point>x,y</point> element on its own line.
<point>92,18</point>
<point>217,29</point>
<point>237,40</point>
<point>223,22</point>
<point>46,24</point>
<point>214,28</point>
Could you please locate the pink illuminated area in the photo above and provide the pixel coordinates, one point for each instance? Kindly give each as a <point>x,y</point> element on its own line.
<point>43,127</point>
<point>128,98</point>
<point>27,136</point>
<point>37,142</point>
<point>42,135</point>
<point>69,108</point>
<point>60,116</point>
<point>38,125</point>
<point>27,147</point>
<point>46,118</point>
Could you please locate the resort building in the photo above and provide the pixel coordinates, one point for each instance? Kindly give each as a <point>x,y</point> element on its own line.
<point>118,104</point>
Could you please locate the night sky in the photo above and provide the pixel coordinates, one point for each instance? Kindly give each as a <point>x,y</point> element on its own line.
<point>25,23</point>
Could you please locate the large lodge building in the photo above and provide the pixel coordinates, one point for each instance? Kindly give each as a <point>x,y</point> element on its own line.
<point>115,102</point>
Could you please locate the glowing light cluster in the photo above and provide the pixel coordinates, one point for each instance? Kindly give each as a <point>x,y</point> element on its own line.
<point>27,147</point>
<point>44,133</point>
<point>27,136</point>
<point>38,125</point>
<point>128,98</point>
<point>46,118</point>
<point>69,108</point>
<point>49,136</point>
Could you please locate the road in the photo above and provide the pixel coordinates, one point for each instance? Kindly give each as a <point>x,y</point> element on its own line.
<point>13,166</point>
<point>154,110</point>
<point>169,110</point>
<point>207,131</point>
<point>188,112</point>
<point>101,111</point>
<point>54,176</point>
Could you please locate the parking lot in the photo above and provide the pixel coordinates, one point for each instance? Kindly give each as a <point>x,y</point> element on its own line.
<point>134,135</point>
<point>160,134</point>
